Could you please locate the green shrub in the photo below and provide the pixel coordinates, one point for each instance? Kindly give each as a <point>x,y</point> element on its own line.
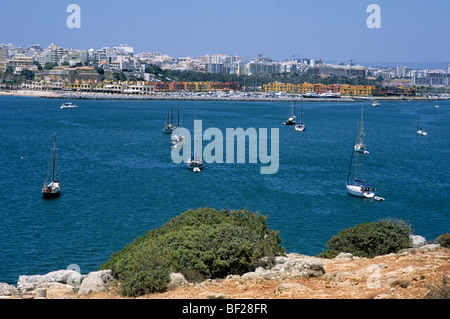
<point>370,239</point>
<point>443,240</point>
<point>439,291</point>
<point>204,243</point>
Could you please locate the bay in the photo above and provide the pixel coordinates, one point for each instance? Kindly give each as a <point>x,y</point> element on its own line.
<point>118,179</point>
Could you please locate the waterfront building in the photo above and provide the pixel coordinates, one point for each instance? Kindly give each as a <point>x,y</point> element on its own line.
<point>139,88</point>
<point>358,90</point>
<point>18,63</point>
<point>434,78</point>
<point>52,54</point>
<point>262,66</point>
<point>400,71</point>
<point>2,60</point>
<point>68,74</point>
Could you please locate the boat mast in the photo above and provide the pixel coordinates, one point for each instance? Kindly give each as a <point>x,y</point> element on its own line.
<point>54,157</point>
<point>351,158</point>
<point>420,117</point>
<point>301,110</point>
<point>178,117</point>
<point>361,132</point>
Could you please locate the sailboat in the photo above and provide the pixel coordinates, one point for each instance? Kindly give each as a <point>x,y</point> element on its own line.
<point>169,127</point>
<point>291,119</point>
<point>177,140</point>
<point>358,187</point>
<point>360,147</point>
<point>301,126</point>
<point>420,130</point>
<point>52,189</point>
<point>68,105</point>
<point>195,163</point>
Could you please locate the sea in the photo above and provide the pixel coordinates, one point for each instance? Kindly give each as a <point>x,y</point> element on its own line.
<point>118,178</point>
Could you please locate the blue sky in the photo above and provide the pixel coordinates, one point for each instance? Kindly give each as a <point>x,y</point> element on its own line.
<point>334,30</point>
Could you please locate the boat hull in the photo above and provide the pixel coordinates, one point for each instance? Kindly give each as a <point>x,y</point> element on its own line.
<point>356,191</point>
<point>50,194</point>
<point>193,166</point>
<point>290,121</point>
<point>300,128</point>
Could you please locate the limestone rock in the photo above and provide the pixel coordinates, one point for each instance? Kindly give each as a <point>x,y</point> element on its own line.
<point>7,290</point>
<point>29,283</point>
<point>417,241</point>
<point>56,287</point>
<point>430,247</point>
<point>252,277</point>
<point>177,280</point>
<point>92,283</point>
<point>307,268</point>
<point>344,256</point>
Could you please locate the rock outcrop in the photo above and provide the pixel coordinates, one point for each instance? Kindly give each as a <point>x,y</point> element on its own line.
<point>405,274</point>
<point>285,267</point>
<point>61,282</point>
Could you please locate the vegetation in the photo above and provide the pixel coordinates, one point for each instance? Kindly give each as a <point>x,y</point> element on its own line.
<point>205,243</point>
<point>252,81</point>
<point>50,65</point>
<point>443,240</point>
<point>11,80</point>
<point>370,239</point>
<point>441,291</point>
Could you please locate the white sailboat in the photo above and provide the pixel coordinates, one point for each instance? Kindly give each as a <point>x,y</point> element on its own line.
<point>420,130</point>
<point>358,187</point>
<point>68,105</point>
<point>195,163</point>
<point>300,127</point>
<point>52,189</point>
<point>177,139</point>
<point>291,119</point>
<point>169,127</point>
<point>360,147</point>
<point>376,103</point>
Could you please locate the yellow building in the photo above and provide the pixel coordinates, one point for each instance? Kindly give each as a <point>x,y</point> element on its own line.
<point>345,89</point>
<point>290,88</point>
<point>360,90</point>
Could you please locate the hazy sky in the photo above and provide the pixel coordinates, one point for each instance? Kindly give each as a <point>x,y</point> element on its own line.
<point>411,30</point>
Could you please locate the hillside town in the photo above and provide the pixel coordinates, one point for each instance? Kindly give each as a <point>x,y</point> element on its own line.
<point>119,70</point>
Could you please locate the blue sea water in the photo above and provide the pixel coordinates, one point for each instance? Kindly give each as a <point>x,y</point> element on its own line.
<point>118,179</point>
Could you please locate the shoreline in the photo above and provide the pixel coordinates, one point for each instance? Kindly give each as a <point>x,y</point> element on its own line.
<point>196,97</point>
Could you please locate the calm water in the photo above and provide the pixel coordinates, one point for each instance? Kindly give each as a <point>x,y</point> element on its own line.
<point>118,179</point>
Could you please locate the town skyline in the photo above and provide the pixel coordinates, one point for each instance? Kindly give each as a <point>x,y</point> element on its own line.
<point>410,31</point>
<point>443,65</point>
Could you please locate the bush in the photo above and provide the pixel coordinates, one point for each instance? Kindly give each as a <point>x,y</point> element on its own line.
<point>443,240</point>
<point>370,239</point>
<point>439,291</point>
<point>204,243</point>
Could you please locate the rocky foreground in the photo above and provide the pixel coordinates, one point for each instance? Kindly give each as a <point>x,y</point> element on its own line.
<point>409,274</point>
